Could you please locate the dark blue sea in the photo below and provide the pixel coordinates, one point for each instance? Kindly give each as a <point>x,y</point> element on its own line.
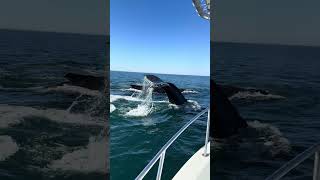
<point>282,123</point>
<point>49,130</point>
<point>138,130</point>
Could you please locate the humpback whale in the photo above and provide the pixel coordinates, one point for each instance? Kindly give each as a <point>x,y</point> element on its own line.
<point>228,90</point>
<point>173,93</point>
<point>226,120</point>
<point>97,83</point>
<point>156,89</point>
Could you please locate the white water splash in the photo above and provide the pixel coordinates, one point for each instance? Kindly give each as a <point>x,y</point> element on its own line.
<point>194,104</point>
<point>12,115</point>
<point>114,98</point>
<point>131,90</point>
<point>7,147</point>
<point>271,137</point>
<point>173,106</point>
<point>190,91</point>
<point>260,139</point>
<point>191,104</point>
<point>146,107</point>
<point>112,108</point>
<point>93,158</point>
<point>141,111</point>
<point>254,95</point>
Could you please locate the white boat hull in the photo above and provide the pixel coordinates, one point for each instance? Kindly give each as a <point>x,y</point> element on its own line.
<point>196,168</point>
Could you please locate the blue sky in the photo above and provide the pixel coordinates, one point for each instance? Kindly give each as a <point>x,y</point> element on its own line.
<point>158,37</point>
<point>74,16</point>
<point>292,22</point>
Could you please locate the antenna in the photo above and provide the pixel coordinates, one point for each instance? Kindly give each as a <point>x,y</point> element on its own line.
<point>202,8</point>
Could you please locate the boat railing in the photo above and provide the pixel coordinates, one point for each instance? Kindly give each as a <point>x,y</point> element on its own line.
<point>286,168</point>
<point>161,154</point>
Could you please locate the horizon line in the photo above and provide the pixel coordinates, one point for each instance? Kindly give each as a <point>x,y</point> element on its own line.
<point>58,32</point>
<point>161,73</point>
<point>261,43</point>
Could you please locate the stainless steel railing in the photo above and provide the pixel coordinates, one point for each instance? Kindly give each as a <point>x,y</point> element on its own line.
<point>286,168</point>
<point>161,154</point>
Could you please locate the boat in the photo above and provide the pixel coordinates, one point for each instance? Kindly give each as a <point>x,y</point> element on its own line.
<point>196,168</point>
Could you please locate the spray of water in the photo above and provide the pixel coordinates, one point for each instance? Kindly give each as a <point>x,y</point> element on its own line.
<point>93,157</point>
<point>147,105</point>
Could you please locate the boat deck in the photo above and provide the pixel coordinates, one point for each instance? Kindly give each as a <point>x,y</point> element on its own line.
<point>196,168</point>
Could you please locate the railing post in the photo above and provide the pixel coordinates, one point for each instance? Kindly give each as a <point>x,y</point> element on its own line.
<point>205,153</point>
<point>316,168</point>
<point>161,161</point>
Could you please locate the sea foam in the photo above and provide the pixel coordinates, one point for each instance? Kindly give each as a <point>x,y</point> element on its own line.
<point>254,95</point>
<point>8,147</point>
<point>92,158</point>
<point>11,115</point>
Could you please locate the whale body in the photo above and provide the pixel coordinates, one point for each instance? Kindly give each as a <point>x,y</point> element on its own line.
<point>173,93</point>
<point>225,119</point>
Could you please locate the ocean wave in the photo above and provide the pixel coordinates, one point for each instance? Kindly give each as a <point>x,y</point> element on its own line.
<point>36,88</point>
<point>94,72</point>
<point>12,115</point>
<point>191,104</point>
<point>174,106</point>
<point>4,72</point>
<point>114,98</point>
<point>194,104</point>
<point>131,90</point>
<point>189,91</point>
<point>260,139</point>
<point>74,89</point>
<point>271,137</point>
<point>93,158</point>
<point>8,147</point>
<point>254,95</point>
<point>112,108</point>
<point>141,111</point>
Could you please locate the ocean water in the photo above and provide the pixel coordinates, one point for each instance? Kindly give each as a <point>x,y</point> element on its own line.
<point>139,130</point>
<point>49,130</point>
<point>283,123</point>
